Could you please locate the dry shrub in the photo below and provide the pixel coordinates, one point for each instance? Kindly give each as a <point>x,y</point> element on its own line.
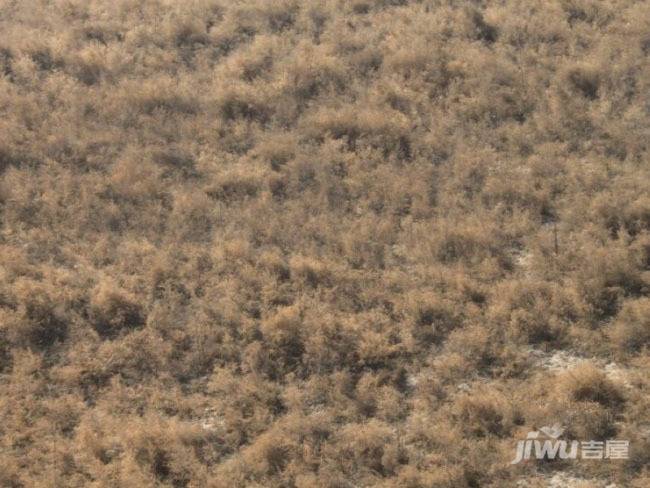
<point>134,177</point>
<point>10,473</point>
<point>607,277</point>
<point>186,31</point>
<point>247,403</point>
<point>583,80</point>
<point>278,187</point>
<point>518,25</point>
<point>577,88</point>
<point>432,317</point>
<point>114,310</point>
<point>156,96</point>
<point>501,192</point>
<point>40,320</point>
<point>397,96</point>
<point>584,11</point>
<point>311,71</point>
<point>421,59</point>
<point>588,420</point>
<point>587,403</point>
<point>367,448</point>
<point>168,460</point>
<point>149,450</point>
<point>90,65</point>
<point>236,185</point>
<point>254,61</point>
<point>193,216</point>
<point>378,397</point>
<point>636,216</point>
<point>476,344</point>
<point>378,348</point>
<point>276,150</point>
<point>239,101</point>
<point>236,27</point>
<point>273,261</point>
<point>283,326</point>
<point>280,15</point>
<point>484,412</point>
<point>630,332</point>
<point>268,455</point>
<point>43,56</point>
<point>458,244</point>
<point>638,455</point>
<point>477,27</point>
<point>586,383</point>
<point>470,244</point>
<point>135,357</point>
<point>176,160</point>
<point>435,476</point>
<point>65,412</point>
<point>641,249</point>
<point>311,271</point>
<point>364,246</point>
<point>623,212</point>
<point>7,159</point>
<point>329,342</point>
<point>382,130</point>
<point>534,311</point>
<point>502,96</point>
<point>316,240</point>
<point>6,57</point>
<point>283,341</point>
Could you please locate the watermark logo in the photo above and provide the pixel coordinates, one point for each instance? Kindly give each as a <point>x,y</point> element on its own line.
<point>546,444</point>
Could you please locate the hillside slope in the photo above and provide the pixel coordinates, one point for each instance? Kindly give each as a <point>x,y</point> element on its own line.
<point>366,243</point>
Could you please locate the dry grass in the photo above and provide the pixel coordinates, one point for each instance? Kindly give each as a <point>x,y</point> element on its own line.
<point>320,243</point>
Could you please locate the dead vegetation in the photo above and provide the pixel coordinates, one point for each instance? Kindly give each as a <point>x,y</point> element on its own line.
<point>297,244</point>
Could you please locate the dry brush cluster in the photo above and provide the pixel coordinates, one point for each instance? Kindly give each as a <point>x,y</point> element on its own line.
<point>320,243</point>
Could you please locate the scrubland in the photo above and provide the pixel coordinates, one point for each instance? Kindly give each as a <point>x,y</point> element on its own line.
<point>322,243</point>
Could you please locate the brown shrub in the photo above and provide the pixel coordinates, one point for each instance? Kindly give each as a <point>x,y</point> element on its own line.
<point>295,244</point>
<point>277,150</point>
<point>534,311</point>
<point>235,186</point>
<point>432,317</point>
<point>381,130</point>
<point>193,217</point>
<point>607,277</point>
<point>311,271</point>
<point>239,101</point>
<point>311,71</point>
<point>586,383</point>
<point>484,413</point>
<point>583,80</point>
<point>630,332</point>
<point>284,343</point>
<point>114,311</point>
<point>159,95</point>
<point>367,447</point>
<point>41,319</point>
